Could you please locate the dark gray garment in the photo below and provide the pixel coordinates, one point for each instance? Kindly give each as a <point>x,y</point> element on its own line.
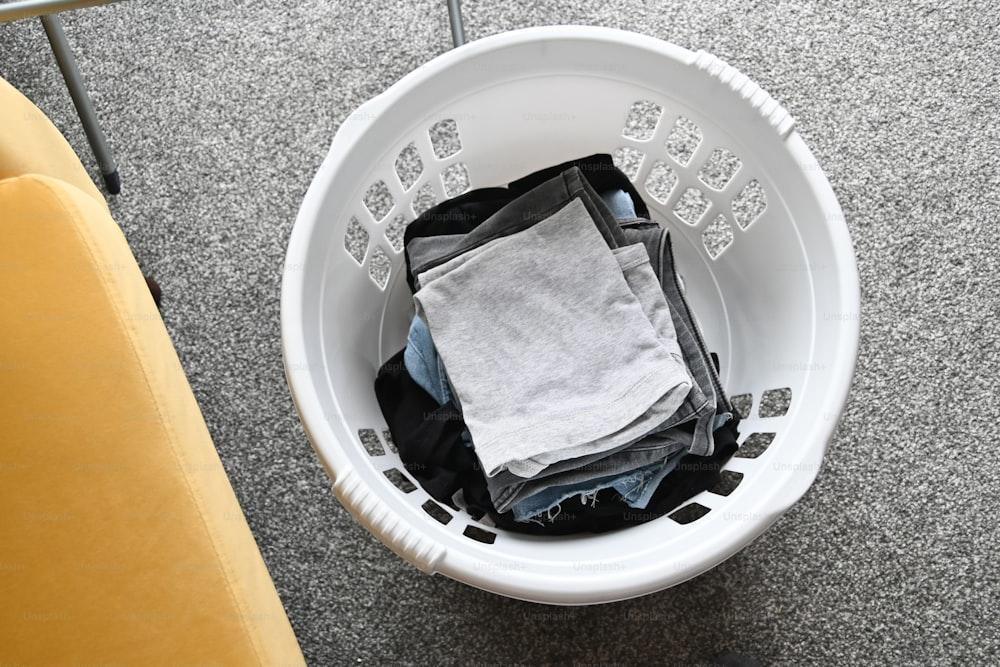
<point>656,239</point>
<point>527,210</point>
<point>539,373</point>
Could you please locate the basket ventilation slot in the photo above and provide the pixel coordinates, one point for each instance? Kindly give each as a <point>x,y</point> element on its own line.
<point>749,204</point>
<point>775,402</point>
<point>755,445</point>
<point>399,480</point>
<point>409,166</point>
<point>444,137</point>
<point>642,119</point>
<point>683,140</point>
<point>378,200</point>
<point>689,513</point>
<point>371,442</point>
<point>356,240</point>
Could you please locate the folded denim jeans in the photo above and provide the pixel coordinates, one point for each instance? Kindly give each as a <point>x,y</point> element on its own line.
<point>620,204</point>
<point>540,376</point>
<point>635,487</point>
<point>423,363</point>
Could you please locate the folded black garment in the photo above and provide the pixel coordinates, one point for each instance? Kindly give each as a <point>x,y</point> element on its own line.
<point>464,213</point>
<point>428,438</point>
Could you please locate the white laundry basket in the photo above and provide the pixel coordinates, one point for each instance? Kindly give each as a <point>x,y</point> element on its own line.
<point>758,237</point>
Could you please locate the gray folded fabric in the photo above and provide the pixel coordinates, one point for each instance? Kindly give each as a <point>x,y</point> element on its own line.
<point>547,367</point>
<point>701,403</point>
<point>507,488</point>
<point>709,398</point>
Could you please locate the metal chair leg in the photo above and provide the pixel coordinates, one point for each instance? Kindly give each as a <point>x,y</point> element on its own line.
<point>81,100</point>
<point>455,20</point>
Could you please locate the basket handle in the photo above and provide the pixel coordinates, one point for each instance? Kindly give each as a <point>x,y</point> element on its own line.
<point>371,512</point>
<point>768,107</point>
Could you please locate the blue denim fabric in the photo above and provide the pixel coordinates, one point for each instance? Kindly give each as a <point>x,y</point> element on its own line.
<point>721,419</point>
<point>642,494</point>
<point>636,488</point>
<point>620,204</point>
<point>423,363</point>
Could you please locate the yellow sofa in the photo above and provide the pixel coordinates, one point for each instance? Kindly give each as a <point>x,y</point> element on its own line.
<point>121,541</point>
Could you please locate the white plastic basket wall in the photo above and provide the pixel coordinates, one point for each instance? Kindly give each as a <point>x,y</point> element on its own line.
<point>759,240</point>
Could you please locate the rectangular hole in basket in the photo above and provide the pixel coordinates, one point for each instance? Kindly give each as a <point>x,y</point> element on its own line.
<point>661,181</point>
<point>755,445</point>
<point>479,535</point>
<point>717,237</point>
<point>691,206</point>
<point>423,200</point>
<point>444,138</point>
<point>742,403</point>
<point>389,442</point>
<point>775,402</point>
<point>409,166</point>
<point>356,240</point>
<point>749,204</point>
<point>690,513</point>
<point>455,179</point>
<point>371,442</point>
<point>728,481</point>
<point>378,267</point>
<point>628,160</point>
<point>437,512</point>
<point>683,141</point>
<point>642,119</point>
<point>399,480</point>
<point>378,200</point>
<point>394,232</point>
<point>719,169</point>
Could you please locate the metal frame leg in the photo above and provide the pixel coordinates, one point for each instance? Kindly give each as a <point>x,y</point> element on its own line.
<point>455,19</point>
<point>81,100</point>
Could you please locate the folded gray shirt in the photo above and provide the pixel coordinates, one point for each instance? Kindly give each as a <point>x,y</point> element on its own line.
<point>547,366</point>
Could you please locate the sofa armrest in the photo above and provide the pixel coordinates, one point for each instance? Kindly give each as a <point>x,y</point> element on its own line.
<point>122,540</point>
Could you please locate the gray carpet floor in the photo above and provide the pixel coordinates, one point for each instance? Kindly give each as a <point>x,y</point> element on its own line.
<point>220,112</point>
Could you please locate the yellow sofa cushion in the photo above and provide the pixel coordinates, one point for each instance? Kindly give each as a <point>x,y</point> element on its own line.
<point>121,540</point>
<point>31,144</point>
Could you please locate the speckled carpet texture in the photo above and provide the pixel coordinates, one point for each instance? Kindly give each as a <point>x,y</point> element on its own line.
<point>219,114</point>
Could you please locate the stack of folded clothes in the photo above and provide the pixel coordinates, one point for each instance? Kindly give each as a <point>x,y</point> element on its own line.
<point>554,378</point>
